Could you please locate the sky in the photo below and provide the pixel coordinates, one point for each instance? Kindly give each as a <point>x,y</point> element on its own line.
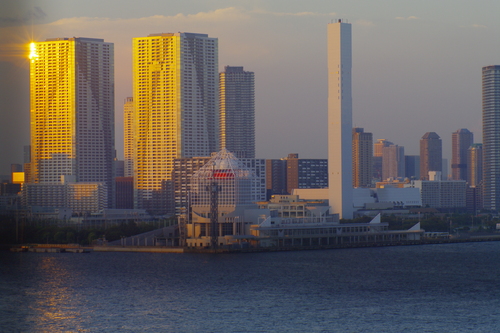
<point>416,65</point>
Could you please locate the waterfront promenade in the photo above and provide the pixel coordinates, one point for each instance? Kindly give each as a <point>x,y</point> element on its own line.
<point>74,248</point>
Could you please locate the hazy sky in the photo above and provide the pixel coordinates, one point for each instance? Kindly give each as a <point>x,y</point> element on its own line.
<point>416,65</point>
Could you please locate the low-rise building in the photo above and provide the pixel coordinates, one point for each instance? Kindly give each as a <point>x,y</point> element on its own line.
<point>441,193</point>
<point>81,198</point>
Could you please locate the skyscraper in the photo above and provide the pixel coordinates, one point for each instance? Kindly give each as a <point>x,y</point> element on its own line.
<point>412,166</point>
<point>237,111</point>
<point>462,139</point>
<point>475,164</point>
<point>430,154</point>
<point>362,155</point>
<point>377,157</point>
<point>276,177</point>
<point>72,111</point>
<point>491,137</point>
<point>393,161</point>
<point>175,94</point>
<point>128,136</point>
<point>340,119</point>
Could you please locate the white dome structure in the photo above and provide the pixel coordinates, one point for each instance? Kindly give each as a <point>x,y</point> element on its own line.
<point>233,179</point>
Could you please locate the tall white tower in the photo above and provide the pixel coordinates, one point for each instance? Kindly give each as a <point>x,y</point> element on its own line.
<point>340,119</point>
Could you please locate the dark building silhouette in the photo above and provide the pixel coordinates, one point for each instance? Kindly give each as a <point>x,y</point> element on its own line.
<point>430,154</point>
<point>412,166</point>
<point>124,196</point>
<point>362,157</point>
<point>462,139</point>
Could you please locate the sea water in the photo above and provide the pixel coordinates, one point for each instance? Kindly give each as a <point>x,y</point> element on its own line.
<point>428,288</point>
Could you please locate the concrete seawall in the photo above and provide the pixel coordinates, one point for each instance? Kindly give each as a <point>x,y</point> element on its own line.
<point>151,249</point>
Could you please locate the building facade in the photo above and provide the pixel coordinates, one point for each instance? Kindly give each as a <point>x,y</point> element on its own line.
<point>450,194</point>
<point>175,95</point>
<point>412,166</point>
<point>128,136</point>
<point>124,196</point>
<point>474,199</point>
<point>461,140</point>
<point>82,198</point>
<point>362,158</point>
<point>430,154</point>
<point>340,119</point>
<point>237,111</point>
<point>276,177</point>
<point>377,157</point>
<point>72,111</point>
<point>475,164</point>
<point>286,174</point>
<point>491,137</point>
<point>393,162</point>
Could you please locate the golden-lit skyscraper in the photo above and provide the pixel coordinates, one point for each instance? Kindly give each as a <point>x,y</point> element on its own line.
<point>175,94</point>
<point>72,110</point>
<point>475,164</point>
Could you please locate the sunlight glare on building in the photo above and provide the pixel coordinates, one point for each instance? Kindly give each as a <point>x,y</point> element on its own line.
<point>72,110</point>
<point>175,96</point>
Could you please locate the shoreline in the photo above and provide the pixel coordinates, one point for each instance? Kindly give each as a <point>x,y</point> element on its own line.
<point>63,248</point>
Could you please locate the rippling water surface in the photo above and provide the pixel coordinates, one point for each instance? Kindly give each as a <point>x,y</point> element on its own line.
<point>432,288</point>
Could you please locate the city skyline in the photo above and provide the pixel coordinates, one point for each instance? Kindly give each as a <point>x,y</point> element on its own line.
<point>440,91</point>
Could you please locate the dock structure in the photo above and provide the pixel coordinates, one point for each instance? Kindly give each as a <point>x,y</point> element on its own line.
<point>312,232</point>
<point>51,248</point>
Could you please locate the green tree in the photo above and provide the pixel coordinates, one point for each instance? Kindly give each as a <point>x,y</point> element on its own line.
<point>60,237</point>
<point>70,237</point>
<point>91,237</point>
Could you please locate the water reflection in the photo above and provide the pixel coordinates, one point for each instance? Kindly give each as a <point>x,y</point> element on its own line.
<point>53,302</point>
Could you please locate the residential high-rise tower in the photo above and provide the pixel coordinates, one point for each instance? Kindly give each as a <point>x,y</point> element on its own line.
<point>462,139</point>
<point>491,137</point>
<point>72,111</point>
<point>475,164</point>
<point>128,136</point>
<point>393,161</point>
<point>237,111</point>
<point>175,94</point>
<point>340,119</point>
<point>377,157</point>
<point>430,154</point>
<point>362,155</point>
